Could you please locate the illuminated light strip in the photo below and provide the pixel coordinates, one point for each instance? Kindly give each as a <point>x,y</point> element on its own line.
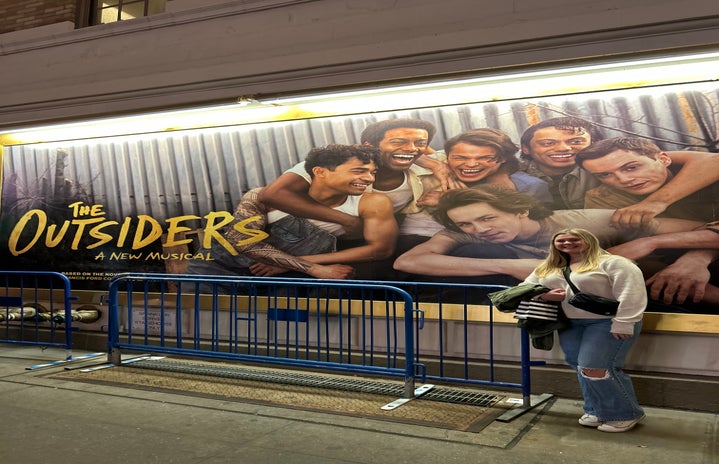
<point>688,68</point>
<point>620,75</point>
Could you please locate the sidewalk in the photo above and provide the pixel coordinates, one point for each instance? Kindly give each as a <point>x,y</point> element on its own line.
<point>47,420</point>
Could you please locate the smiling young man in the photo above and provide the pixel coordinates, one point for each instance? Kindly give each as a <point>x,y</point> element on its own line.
<point>401,143</point>
<point>268,241</point>
<point>548,150</point>
<point>486,156</point>
<point>477,157</point>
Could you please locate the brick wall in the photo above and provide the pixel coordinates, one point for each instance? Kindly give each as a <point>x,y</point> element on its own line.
<point>17,15</point>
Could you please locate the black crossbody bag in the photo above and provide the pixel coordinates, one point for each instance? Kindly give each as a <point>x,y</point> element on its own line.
<point>589,302</point>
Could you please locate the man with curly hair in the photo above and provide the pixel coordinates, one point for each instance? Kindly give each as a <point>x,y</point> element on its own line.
<point>267,241</point>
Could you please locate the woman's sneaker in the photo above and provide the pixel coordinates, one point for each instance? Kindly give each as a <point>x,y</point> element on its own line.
<point>620,426</point>
<point>589,420</point>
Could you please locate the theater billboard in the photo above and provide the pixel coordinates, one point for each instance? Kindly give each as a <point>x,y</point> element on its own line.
<point>92,205</point>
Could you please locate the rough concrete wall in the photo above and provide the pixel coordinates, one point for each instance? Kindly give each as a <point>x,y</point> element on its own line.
<point>266,46</point>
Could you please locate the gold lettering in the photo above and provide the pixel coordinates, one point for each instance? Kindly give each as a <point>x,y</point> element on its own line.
<point>102,237</point>
<point>124,230</point>
<point>52,240</point>
<point>80,209</point>
<point>212,230</point>
<point>154,234</point>
<point>256,235</point>
<point>81,223</point>
<point>20,226</point>
<point>174,229</point>
<point>90,220</point>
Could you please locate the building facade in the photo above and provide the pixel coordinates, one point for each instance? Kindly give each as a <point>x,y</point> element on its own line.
<point>59,68</point>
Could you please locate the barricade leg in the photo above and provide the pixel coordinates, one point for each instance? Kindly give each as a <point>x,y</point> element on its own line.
<point>528,401</point>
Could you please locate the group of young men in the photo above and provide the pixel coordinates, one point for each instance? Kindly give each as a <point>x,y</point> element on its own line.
<point>392,208</point>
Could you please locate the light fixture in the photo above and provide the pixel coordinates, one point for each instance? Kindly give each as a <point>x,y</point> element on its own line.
<point>641,73</point>
<point>247,100</point>
<point>563,81</point>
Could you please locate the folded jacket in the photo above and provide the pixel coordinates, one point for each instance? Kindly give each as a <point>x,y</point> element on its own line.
<point>508,300</point>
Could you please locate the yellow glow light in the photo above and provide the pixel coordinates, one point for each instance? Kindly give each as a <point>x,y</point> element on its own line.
<point>621,75</point>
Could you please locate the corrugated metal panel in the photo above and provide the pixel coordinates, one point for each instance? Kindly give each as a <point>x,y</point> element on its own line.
<point>194,172</point>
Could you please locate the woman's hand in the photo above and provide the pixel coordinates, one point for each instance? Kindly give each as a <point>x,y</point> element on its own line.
<point>621,336</point>
<point>557,294</point>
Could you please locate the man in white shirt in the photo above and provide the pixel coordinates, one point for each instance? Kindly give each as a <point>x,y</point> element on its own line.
<point>270,242</point>
<point>401,142</point>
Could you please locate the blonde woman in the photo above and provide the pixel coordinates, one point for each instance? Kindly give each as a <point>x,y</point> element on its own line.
<point>596,346</point>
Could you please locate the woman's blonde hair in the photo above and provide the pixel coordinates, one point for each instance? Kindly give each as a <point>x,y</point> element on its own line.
<point>557,260</point>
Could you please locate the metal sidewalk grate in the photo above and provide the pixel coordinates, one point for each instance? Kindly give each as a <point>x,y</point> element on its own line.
<point>446,395</point>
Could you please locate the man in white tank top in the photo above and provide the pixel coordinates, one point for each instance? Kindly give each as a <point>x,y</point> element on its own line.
<point>401,143</point>
<point>269,242</point>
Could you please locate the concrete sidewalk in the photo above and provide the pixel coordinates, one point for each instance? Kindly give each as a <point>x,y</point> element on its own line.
<point>51,420</point>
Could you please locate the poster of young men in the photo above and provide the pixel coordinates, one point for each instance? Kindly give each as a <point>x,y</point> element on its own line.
<point>371,196</point>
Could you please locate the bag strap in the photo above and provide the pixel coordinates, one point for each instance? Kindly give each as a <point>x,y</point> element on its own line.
<point>566,272</point>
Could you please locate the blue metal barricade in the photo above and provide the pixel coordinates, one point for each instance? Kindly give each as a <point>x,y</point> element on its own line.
<point>344,326</point>
<point>468,308</point>
<point>31,303</point>
<point>375,327</point>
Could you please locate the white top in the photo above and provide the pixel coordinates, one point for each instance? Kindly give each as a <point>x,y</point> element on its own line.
<point>300,170</point>
<point>400,196</point>
<point>421,223</point>
<point>617,277</point>
<point>350,206</point>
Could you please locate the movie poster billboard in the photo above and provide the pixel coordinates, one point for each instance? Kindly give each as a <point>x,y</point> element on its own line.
<point>163,202</point>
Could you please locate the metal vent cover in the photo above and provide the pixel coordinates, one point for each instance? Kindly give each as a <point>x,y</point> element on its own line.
<point>441,394</point>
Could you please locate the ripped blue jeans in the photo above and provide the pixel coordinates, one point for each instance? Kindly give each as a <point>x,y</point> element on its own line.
<point>607,390</point>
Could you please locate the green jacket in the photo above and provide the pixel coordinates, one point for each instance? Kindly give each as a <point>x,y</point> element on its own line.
<point>508,299</point>
<point>540,332</point>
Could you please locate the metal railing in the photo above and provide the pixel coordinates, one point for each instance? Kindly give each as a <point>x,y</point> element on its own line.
<point>470,357</point>
<point>420,329</point>
<point>35,309</point>
<point>335,325</point>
